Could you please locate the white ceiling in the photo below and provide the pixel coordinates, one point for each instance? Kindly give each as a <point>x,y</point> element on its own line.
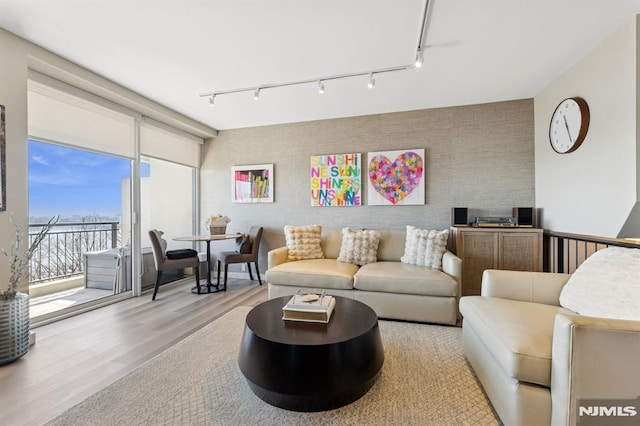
<point>171,51</point>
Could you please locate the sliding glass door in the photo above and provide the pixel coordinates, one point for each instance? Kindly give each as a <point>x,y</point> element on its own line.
<point>100,165</point>
<point>86,256</point>
<point>167,198</point>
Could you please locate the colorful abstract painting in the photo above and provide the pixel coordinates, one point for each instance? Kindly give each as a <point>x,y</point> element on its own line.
<point>396,178</point>
<point>252,184</point>
<point>336,180</point>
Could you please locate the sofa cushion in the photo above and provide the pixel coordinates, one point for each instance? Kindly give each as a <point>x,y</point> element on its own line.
<point>359,246</point>
<point>330,242</point>
<point>606,284</point>
<point>397,277</point>
<point>303,242</point>
<point>518,334</point>
<point>391,247</point>
<point>320,273</point>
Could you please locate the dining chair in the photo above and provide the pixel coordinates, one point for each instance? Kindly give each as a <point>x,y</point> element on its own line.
<point>172,259</point>
<point>229,257</point>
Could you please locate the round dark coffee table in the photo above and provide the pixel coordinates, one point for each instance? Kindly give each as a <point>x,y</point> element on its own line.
<point>311,366</point>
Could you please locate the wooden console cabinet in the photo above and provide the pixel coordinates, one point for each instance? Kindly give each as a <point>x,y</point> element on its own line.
<point>518,249</point>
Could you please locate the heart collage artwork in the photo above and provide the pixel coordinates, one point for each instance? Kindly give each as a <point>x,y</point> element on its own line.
<point>396,177</point>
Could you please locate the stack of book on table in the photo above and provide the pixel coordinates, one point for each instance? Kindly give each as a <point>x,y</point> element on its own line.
<point>309,307</point>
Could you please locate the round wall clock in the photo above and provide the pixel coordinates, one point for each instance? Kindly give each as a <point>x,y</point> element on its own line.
<point>569,125</point>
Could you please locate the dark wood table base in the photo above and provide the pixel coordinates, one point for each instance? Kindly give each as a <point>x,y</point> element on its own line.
<point>308,366</point>
<point>311,402</point>
<point>207,288</point>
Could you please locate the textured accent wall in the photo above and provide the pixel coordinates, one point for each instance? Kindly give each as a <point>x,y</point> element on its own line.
<point>478,156</point>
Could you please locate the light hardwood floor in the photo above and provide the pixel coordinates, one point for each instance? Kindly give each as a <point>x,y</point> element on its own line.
<point>75,357</point>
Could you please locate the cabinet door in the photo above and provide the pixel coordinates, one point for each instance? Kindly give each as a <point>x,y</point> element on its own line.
<point>478,251</point>
<point>521,251</point>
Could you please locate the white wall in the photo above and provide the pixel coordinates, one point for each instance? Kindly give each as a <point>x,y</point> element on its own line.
<point>592,190</point>
<point>13,95</point>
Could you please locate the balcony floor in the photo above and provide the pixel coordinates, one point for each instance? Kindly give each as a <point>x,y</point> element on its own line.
<point>70,292</point>
<point>42,305</point>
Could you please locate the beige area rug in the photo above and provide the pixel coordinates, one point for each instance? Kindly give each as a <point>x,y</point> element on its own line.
<point>425,380</point>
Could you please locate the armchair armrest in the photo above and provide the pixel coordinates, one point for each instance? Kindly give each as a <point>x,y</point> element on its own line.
<point>536,287</point>
<point>452,265</point>
<point>277,256</point>
<point>592,358</point>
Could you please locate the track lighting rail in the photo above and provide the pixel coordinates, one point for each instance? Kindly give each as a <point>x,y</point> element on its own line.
<point>319,81</point>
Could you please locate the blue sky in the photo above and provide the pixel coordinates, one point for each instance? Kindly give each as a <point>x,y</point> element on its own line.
<point>69,181</point>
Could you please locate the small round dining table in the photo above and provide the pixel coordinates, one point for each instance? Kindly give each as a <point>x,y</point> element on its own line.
<point>210,287</point>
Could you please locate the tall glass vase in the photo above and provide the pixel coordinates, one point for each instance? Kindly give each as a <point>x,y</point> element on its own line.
<point>14,327</point>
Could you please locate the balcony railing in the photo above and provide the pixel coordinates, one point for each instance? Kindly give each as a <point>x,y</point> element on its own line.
<point>564,252</point>
<point>60,253</point>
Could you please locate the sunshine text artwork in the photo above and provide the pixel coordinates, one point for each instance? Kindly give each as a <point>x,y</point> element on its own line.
<point>336,180</point>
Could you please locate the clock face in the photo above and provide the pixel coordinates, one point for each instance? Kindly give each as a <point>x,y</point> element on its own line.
<point>569,125</point>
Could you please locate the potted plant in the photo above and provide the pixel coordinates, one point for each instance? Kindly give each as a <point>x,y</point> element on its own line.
<point>14,305</point>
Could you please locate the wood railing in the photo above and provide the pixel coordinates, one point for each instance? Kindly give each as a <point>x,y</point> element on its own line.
<point>564,252</point>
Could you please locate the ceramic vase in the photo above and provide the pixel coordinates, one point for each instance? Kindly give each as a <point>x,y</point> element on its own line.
<point>14,327</point>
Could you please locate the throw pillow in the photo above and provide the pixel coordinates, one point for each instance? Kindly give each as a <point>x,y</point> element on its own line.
<point>424,247</point>
<point>359,246</point>
<point>606,284</point>
<point>243,244</point>
<point>436,246</point>
<point>415,242</point>
<point>303,242</point>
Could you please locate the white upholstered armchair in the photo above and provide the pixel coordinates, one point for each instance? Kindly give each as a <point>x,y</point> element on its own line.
<point>538,361</point>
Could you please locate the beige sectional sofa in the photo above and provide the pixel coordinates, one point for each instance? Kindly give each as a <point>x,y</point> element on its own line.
<point>537,361</point>
<point>393,289</point>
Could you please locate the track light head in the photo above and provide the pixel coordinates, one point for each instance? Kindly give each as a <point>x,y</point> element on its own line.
<point>212,100</point>
<point>419,59</point>
<point>372,81</point>
<point>256,94</point>
<point>320,87</point>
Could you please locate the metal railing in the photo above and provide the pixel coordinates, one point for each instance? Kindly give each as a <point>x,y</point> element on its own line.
<point>59,255</point>
<point>564,252</point>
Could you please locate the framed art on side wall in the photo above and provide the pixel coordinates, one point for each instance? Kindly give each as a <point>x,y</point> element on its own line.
<point>252,184</point>
<point>3,162</point>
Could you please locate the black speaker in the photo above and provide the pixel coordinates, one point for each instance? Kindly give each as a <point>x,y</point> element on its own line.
<point>526,216</point>
<point>459,216</point>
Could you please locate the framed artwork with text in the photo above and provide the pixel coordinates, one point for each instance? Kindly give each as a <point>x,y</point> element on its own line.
<point>335,180</point>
